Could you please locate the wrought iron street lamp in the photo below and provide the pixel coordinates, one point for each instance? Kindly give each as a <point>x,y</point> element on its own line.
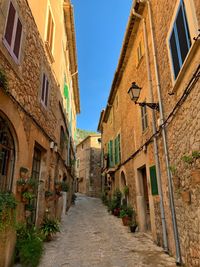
<point>134,93</point>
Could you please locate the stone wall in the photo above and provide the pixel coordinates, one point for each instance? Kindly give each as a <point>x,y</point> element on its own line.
<point>183,131</point>
<point>30,122</point>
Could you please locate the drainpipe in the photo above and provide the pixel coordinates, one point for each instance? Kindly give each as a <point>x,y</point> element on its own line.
<point>164,228</point>
<point>169,177</point>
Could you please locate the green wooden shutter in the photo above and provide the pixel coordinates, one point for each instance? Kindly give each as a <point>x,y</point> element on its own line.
<point>119,148</point>
<point>153,178</point>
<point>109,159</point>
<point>116,152</point>
<point>111,154</point>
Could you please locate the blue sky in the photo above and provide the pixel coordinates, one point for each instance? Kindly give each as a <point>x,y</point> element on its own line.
<point>100,28</point>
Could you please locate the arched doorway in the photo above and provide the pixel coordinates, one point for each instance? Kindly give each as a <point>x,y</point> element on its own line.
<point>123,179</point>
<point>123,185</point>
<point>7,155</point>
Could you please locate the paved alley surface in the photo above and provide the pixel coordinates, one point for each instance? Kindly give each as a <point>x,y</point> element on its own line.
<point>91,237</point>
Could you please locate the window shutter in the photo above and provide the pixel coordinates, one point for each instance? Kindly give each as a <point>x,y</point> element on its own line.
<point>153,178</point>
<point>10,24</point>
<point>111,153</point>
<point>18,39</point>
<point>119,149</point>
<point>116,151</point>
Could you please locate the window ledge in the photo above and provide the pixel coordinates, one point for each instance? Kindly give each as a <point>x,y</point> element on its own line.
<point>49,52</point>
<point>185,66</point>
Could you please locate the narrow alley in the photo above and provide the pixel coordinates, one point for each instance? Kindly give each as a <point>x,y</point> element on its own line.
<point>90,237</point>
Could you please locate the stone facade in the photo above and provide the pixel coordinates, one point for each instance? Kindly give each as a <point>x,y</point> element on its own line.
<point>89,166</point>
<point>137,148</point>
<point>41,132</point>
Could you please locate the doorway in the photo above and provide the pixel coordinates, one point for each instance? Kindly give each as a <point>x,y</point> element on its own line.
<point>144,199</point>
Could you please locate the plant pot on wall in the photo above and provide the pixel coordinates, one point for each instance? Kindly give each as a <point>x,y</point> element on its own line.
<point>186,197</point>
<point>195,174</point>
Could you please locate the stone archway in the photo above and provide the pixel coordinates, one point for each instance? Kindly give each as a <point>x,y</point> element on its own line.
<point>123,182</point>
<point>123,179</point>
<point>7,153</point>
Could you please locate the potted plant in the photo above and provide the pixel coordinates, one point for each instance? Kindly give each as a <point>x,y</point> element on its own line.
<point>64,187</point>
<point>126,214</point>
<point>27,196</point>
<point>49,228</point>
<point>124,217</point>
<point>32,184</point>
<point>133,227</point>
<point>48,195</point>
<point>21,185</point>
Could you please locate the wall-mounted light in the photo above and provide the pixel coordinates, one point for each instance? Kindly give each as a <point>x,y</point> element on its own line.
<point>134,93</point>
<point>51,145</point>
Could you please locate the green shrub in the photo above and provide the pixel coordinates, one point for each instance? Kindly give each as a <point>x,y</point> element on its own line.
<point>49,227</point>
<point>28,195</point>
<point>126,211</point>
<point>29,246</point>
<point>64,187</point>
<point>8,205</point>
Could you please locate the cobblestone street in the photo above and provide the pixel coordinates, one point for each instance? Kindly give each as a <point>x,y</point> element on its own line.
<point>90,237</point>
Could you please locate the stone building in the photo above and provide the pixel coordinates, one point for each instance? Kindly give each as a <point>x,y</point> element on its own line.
<point>153,145</point>
<point>88,166</point>
<point>38,104</point>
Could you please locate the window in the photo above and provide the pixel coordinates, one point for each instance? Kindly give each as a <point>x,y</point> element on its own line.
<point>7,156</point>
<point>50,31</point>
<point>13,33</point>
<point>62,139</point>
<point>139,52</point>
<point>144,118</point>
<point>179,40</point>
<point>153,178</point>
<point>45,90</point>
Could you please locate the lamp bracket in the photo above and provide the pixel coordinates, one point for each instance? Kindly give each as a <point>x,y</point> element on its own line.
<point>150,105</point>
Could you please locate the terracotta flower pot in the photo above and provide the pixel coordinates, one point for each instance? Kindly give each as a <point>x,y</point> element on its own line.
<point>126,220</point>
<point>116,212</point>
<point>186,196</point>
<point>20,188</point>
<point>195,176</point>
